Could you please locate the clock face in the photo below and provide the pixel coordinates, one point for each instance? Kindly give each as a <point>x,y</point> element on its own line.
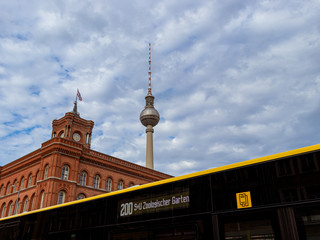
<point>76,137</point>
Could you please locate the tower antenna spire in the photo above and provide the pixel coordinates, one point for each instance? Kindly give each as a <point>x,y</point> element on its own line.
<point>149,74</point>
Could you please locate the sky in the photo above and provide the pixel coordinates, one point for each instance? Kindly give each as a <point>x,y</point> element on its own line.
<point>232,80</point>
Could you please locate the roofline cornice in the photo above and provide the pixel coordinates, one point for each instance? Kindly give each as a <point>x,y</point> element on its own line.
<point>89,154</point>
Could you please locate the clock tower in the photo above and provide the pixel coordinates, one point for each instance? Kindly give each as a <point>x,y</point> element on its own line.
<point>73,127</point>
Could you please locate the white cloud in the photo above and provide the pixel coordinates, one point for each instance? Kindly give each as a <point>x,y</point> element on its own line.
<point>182,166</point>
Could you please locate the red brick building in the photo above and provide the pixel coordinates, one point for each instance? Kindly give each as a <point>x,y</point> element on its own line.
<point>65,169</point>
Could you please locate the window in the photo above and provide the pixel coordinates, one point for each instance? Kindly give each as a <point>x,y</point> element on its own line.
<point>46,170</point>
<point>37,177</point>
<point>10,209</point>
<point>8,188</point>
<point>290,195</point>
<point>21,183</point>
<point>254,229</point>
<point>14,186</point>
<point>120,185</point>
<point>131,184</point>
<point>96,181</point>
<point>307,163</point>
<point>308,222</point>
<point>83,178</point>
<point>284,167</point>
<point>42,199</point>
<point>61,197</point>
<point>16,207</point>
<point>25,205</point>
<point>31,203</point>
<point>88,138</point>
<point>81,196</point>
<point>109,185</point>
<point>3,210</point>
<point>29,180</point>
<point>1,191</point>
<point>65,172</point>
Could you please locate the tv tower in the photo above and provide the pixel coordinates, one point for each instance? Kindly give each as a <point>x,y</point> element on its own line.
<point>149,117</point>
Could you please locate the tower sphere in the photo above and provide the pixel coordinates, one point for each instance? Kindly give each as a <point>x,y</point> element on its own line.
<point>149,116</point>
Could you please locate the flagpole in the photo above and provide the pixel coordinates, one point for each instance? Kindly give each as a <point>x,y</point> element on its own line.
<point>75,108</point>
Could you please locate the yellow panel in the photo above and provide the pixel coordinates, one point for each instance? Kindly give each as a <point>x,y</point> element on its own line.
<point>244,200</point>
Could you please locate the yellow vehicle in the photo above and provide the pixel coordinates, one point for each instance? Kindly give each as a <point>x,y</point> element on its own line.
<point>273,197</point>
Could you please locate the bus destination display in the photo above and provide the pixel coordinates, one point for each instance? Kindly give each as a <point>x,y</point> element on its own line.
<point>155,204</point>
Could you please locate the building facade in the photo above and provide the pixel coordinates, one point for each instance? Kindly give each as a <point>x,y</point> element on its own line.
<point>66,169</point>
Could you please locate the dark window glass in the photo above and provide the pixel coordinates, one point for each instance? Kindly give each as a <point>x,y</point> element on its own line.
<point>307,163</point>
<point>284,167</point>
<point>308,222</point>
<point>313,191</point>
<point>258,229</point>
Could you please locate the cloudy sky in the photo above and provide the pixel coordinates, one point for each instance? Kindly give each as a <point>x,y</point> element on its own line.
<point>232,80</point>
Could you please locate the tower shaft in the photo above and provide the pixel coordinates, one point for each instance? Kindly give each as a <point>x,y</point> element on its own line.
<point>149,150</point>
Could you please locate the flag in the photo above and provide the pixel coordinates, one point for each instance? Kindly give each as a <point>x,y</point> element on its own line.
<point>79,95</point>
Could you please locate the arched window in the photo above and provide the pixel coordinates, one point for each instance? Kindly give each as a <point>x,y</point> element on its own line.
<point>25,205</point>
<point>81,196</point>
<point>131,184</point>
<point>8,188</point>
<point>3,210</point>
<point>61,134</point>
<point>29,180</point>
<point>96,181</point>
<point>83,178</point>
<point>14,186</point>
<point>42,199</point>
<point>10,209</point>
<point>65,172</point>
<point>61,197</point>
<point>1,190</point>
<point>21,183</point>
<point>16,207</point>
<point>31,203</point>
<point>46,170</point>
<point>37,178</point>
<point>109,185</point>
<point>120,185</point>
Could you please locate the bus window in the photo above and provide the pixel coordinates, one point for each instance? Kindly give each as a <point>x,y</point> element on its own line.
<point>308,222</point>
<point>180,232</point>
<point>256,229</point>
